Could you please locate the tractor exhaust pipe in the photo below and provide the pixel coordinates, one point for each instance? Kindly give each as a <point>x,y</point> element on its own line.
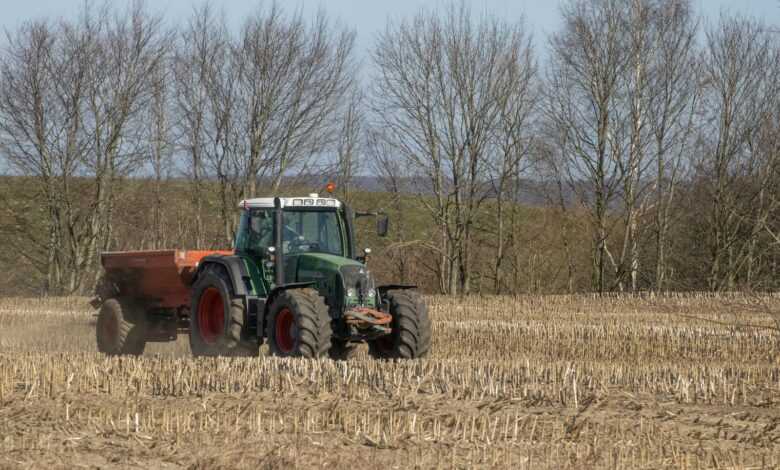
<point>279,242</point>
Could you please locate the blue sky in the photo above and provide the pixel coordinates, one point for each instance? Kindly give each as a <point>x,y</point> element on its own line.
<point>369,16</point>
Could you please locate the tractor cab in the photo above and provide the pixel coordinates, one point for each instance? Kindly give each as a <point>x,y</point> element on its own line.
<point>311,225</point>
<point>300,239</point>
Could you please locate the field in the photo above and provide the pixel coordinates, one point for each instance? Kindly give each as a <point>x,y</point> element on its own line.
<point>689,381</point>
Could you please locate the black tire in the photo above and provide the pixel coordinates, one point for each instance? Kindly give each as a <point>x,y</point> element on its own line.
<point>341,350</point>
<point>217,317</point>
<point>105,288</point>
<point>299,325</point>
<point>411,328</point>
<point>121,328</point>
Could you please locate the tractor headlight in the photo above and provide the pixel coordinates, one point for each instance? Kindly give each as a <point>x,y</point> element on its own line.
<point>350,292</point>
<point>370,293</point>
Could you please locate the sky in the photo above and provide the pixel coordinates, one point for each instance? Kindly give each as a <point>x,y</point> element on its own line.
<point>368,17</point>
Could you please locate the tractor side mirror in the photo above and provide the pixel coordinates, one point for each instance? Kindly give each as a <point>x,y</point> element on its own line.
<point>382,225</point>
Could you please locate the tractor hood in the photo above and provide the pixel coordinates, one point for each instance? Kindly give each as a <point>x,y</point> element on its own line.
<point>344,277</point>
<point>312,266</point>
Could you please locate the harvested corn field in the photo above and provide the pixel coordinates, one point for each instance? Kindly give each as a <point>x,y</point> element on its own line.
<point>683,381</point>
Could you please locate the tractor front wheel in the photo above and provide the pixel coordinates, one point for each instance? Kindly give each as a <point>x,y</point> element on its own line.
<point>410,337</point>
<point>121,328</point>
<point>299,325</point>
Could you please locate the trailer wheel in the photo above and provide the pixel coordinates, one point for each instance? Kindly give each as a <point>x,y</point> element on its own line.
<point>217,317</point>
<point>121,328</point>
<point>299,325</point>
<point>411,328</point>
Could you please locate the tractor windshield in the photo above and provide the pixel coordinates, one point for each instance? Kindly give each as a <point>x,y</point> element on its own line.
<point>312,231</point>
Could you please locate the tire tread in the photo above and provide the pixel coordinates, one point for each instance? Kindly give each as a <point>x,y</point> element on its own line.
<point>411,327</point>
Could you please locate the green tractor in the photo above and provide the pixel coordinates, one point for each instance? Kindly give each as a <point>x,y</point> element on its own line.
<point>293,280</point>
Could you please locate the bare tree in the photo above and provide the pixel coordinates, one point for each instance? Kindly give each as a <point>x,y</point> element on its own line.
<point>291,79</point>
<point>621,98</point>
<point>29,140</point>
<point>394,177</point>
<point>673,105</point>
<point>436,97</point>
<point>349,144</point>
<point>516,102</point>
<point>70,100</point>
<point>261,104</point>
<point>741,85</point>
<point>200,47</point>
<point>160,149</point>
<point>635,86</point>
<point>550,165</point>
<point>589,59</point>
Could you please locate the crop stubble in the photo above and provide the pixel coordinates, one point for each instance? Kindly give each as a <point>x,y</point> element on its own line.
<point>676,381</point>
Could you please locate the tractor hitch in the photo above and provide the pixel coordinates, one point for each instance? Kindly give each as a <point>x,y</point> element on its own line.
<point>364,318</point>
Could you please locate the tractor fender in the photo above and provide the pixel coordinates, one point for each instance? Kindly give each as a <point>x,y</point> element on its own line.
<point>382,291</point>
<point>235,267</point>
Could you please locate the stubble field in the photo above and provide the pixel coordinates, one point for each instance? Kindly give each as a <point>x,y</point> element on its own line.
<point>689,381</point>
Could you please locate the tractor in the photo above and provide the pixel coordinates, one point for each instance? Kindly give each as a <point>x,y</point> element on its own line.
<point>294,280</point>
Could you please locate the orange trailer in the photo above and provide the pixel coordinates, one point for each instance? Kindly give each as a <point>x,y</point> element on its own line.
<point>148,294</point>
<point>159,279</point>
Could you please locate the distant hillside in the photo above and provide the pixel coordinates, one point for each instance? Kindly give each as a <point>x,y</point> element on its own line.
<point>535,258</point>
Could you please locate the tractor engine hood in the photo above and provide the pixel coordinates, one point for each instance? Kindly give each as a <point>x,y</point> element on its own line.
<point>345,277</point>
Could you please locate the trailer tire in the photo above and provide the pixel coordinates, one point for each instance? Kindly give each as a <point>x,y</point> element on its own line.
<point>411,328</point>
<point>299,325</point>
<point>121,328</point>
<point>217,317</point>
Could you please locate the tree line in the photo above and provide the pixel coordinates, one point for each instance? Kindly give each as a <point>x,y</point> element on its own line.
<point>652,133</point>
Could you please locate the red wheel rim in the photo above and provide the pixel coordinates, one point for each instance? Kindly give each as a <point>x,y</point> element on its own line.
<point>110,328</point>
<point>211,315</point>
<point>286,330</point>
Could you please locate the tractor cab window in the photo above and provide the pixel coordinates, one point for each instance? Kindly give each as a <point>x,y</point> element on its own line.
<point>256,232</point>
<point>312,231</point>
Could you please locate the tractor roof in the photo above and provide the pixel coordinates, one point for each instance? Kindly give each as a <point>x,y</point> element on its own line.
<point>312,200</point>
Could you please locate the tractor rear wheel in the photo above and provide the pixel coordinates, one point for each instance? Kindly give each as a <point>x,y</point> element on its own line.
<point>299,325</point>
<point>121,328</point>
<point>217,317</point>
<point>410,337</point>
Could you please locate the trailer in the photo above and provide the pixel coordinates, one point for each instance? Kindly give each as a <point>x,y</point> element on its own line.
<point>144,296</point>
